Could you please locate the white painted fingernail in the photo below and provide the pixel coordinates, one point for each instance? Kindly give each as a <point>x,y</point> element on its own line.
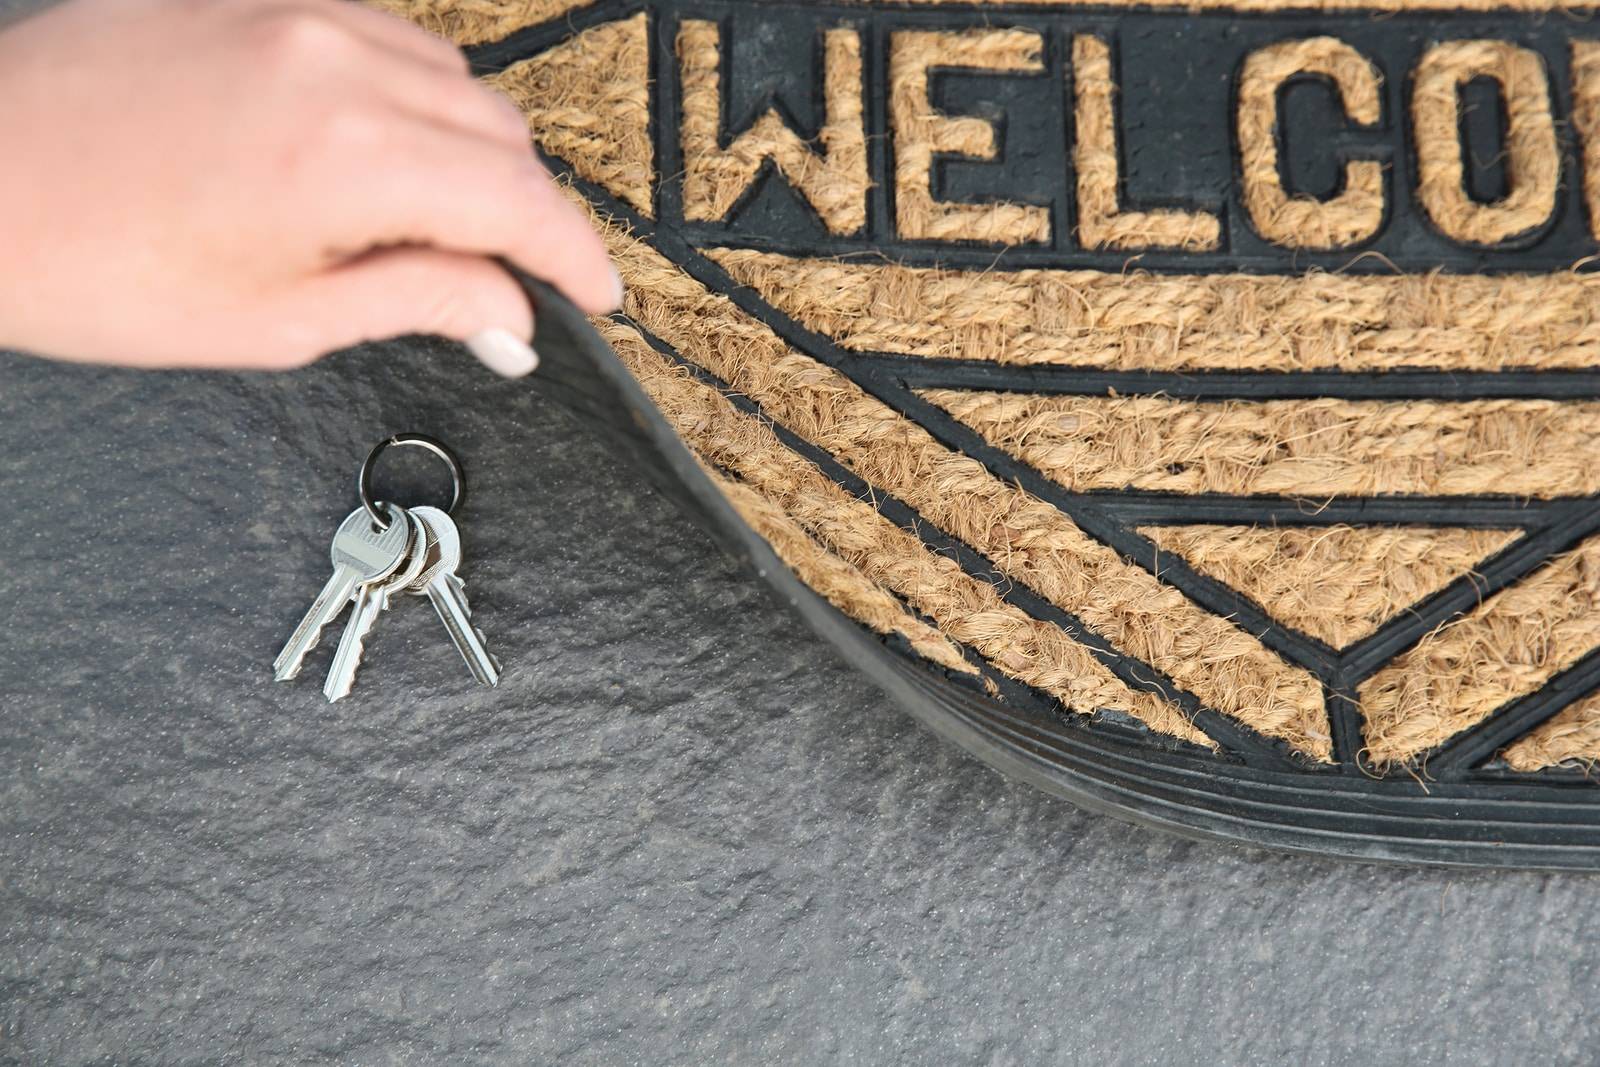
<point>616,280</point>
<point>503,352</point>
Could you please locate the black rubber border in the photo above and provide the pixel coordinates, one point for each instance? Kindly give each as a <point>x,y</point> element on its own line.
<point>1507,822</point>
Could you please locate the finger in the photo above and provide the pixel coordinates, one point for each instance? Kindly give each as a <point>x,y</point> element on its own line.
<point>404,34</point>
<point>418,290</point>
<point>392,32</point>
<point>412,71</point>
<point>452,191</point>
<point>454,100</point>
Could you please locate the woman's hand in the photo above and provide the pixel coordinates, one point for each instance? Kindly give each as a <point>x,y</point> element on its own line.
<point>253,183</point>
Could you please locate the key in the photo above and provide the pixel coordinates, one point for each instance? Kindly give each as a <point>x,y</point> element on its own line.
<point>371,600</point>
<point>448,594</point>
<point>361,553</point>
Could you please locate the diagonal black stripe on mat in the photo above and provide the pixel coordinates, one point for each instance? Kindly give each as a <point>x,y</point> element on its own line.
<point>1235,737</point>
<point>982,376</point>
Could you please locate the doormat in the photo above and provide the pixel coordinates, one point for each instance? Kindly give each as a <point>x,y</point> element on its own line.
<point>1202,401</point>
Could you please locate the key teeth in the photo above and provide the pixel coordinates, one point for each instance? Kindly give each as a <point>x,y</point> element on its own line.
<point>341,682</point>
<point>459,587</point>
<point>288,667</point>
<point>336,689</point>
<point>458,592</point>
<point>493,682</point>
<point>347,660</point>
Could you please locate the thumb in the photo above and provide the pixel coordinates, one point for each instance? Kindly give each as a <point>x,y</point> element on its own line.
<point>423,290</point>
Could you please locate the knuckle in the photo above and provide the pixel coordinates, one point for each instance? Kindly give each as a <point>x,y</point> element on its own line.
<point>442,48</point>
<point>298,37</point>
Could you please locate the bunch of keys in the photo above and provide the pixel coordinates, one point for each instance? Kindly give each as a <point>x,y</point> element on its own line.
<point>380,551</point>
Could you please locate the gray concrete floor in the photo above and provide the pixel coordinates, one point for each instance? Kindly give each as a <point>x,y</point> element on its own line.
<point>680,831</point>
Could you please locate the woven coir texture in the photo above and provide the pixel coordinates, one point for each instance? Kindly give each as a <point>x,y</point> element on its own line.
<point>1173,367</point>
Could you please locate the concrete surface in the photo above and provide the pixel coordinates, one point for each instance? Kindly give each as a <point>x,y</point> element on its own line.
<point>681,831</point>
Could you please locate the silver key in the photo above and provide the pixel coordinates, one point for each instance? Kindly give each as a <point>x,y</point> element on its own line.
<point>444,588</point>
<point>371,600</point>
<point>361,554</point>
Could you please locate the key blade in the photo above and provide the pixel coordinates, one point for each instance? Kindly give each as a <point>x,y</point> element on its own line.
<point>448,596</point>
<point>342,673</point>
<point>324,609</point>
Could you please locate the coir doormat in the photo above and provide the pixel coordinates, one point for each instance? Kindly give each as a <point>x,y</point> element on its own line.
<point>1204,398</point>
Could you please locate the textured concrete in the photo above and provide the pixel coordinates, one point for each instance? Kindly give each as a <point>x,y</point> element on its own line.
<point>681,830</point>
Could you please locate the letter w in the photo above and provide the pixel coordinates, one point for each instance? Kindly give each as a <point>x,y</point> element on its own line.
<point>834,181</point>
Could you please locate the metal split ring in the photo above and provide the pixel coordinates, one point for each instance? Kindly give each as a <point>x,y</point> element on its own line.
<point>458,477</point>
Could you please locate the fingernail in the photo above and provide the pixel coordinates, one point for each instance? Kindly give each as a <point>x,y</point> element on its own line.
<point>503,352</point>
<point>617,286</point>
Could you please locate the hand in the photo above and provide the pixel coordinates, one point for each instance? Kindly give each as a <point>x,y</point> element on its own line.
<point>253,183</point>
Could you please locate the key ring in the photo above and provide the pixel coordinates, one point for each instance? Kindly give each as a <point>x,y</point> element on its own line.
<point>458,477</point>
